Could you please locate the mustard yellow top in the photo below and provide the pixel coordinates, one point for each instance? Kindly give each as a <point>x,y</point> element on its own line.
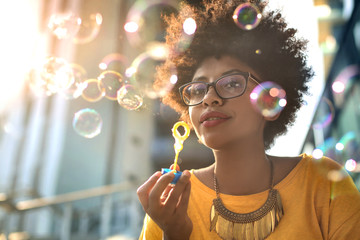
<point>314,206</point>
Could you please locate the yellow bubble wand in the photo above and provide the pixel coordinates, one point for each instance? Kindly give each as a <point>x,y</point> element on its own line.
<point>178,146</point>
<point>179,139</point>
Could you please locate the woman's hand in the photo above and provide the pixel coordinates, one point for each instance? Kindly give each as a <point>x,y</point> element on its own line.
<point>167,204</point>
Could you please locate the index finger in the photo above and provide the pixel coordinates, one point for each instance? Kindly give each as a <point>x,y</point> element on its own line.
<point>144,190</point>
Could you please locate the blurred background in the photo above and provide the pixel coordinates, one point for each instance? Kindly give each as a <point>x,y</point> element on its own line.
<point>81,126</point>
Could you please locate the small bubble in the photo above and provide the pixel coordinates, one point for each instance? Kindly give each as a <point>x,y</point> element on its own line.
<point>93,91</point>
<point>268,98</point>
<point>129,98</point>
<point>111,81</point>
<point>87,123</point>
<point>64,25</point>
<point>89,29</point>
<point>258,51</point>
<point>142,74</point>
<point>247,16</point>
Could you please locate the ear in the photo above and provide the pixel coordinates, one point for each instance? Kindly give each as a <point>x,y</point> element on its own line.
<point>272,118</point>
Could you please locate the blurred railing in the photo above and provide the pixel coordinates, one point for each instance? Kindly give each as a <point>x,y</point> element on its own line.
<point>96,213</point>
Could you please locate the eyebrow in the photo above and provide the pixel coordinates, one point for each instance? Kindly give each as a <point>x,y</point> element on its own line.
<point>202,78</point>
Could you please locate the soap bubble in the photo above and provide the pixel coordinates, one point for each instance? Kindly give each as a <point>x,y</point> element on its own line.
<point>87,123</point>
<point>247,16</point>
<point>64,25</point>
<point>115,62</point>
<point>268,98</point>
<point>89,29</point>
<point>145,23</point>
<point>52,75</point>
<point>326,113</point>
<point>129,97</point>
<point>76,88</point>
<point>93,91</point>
<point>142,74</point>
<point>111,81</point>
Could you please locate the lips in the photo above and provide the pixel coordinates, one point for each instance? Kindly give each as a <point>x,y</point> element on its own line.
<point>209,119</point>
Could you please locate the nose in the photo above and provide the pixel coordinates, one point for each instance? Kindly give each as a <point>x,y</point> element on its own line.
<point>212,98</point>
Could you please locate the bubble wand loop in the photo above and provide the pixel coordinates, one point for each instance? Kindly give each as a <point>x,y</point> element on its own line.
<point>178,146</point>
<point>179,140</point>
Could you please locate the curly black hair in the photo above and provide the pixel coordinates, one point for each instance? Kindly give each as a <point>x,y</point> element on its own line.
<point>271,49</point>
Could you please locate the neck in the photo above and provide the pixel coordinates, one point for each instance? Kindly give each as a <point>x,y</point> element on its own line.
<point>242,170</point>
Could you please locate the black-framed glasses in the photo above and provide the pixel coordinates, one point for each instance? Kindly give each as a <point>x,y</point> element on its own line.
<point>228,86</point>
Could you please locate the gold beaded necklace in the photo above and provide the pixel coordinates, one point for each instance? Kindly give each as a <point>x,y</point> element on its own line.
<point>256,225</point>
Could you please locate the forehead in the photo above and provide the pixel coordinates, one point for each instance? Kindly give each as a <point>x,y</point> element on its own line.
<point>212,68</point>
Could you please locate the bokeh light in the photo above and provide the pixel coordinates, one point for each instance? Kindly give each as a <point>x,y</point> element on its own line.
<point>317,153</point>
<point>111,81</point>
<point>189,26</point>
<point>64,25</point>
<point>89,29</point>
<point>247,16</point>
<point>350,165</point>
<point>268,98</point>
<point>94,91</point>
<point>129,97</point>
<point>131,27</point>
<point>87,123</point>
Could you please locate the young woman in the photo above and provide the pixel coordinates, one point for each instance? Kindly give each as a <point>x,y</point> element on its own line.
<point>245,193</point>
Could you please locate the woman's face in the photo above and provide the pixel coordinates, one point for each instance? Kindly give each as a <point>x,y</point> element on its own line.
<point>221,122</point>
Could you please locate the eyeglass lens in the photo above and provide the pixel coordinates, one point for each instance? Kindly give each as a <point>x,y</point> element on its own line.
<point>226,87</point>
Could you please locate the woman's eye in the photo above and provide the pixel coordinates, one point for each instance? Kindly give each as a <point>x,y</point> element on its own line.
<point>233,84</point>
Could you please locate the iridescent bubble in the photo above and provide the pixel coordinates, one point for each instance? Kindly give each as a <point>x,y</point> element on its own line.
<point>326,113</point>
<point>76,88</point>
<point>258,51</point>
<point>145,23</point>
<point>268,98</point>
<point>111,81</point>
<point>64,25</point>
<point>142,74</point>
<point>115,62</point>
<point>89,29</point>
<point>129,97</point>
<point>87,123</point>
<point>52,75</point>
<point>247,16</point>
<point>93,91</point>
